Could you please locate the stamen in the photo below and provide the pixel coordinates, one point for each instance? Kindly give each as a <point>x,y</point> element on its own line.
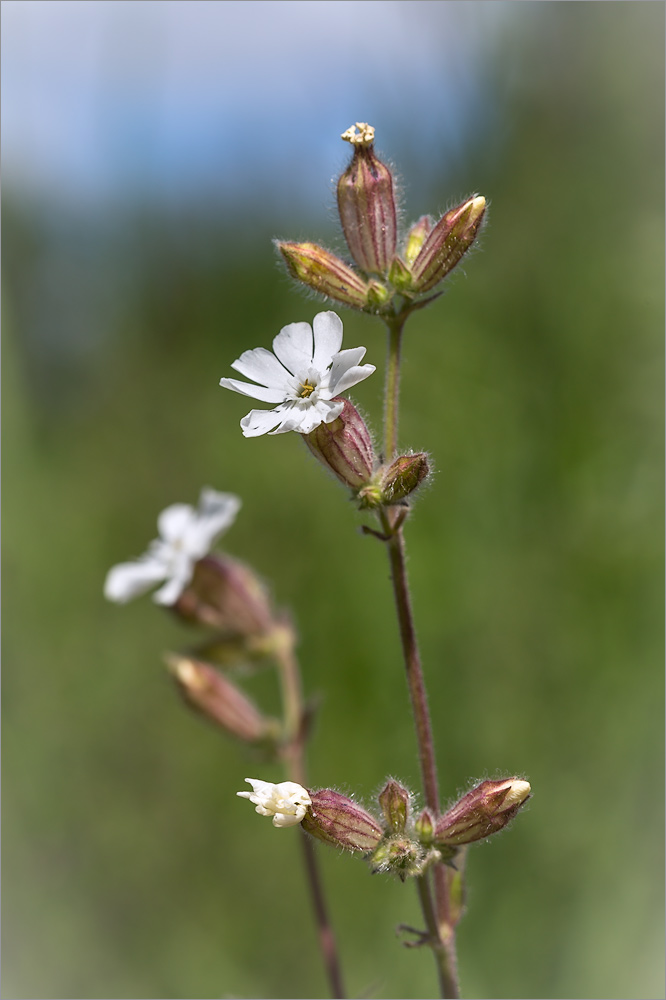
<point>364,137</point>
<point>306,390</point>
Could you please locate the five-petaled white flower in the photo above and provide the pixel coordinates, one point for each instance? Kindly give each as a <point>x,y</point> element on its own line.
<point>301,377</point>
<point>287,802</point>
<point>186,535</point>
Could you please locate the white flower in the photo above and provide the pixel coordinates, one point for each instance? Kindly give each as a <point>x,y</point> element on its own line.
<point>186,535</point>
<point>287,802</point>
<point>300,377</point>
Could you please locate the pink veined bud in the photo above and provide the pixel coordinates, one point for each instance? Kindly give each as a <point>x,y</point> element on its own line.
<point>227,595</point>
<point>217,698</point>
<point>340,821</point>
<point>344,446</point>
<point>447,243</point>
<point>483,811</point>
<point>366,203</point>
<point>325,273</point>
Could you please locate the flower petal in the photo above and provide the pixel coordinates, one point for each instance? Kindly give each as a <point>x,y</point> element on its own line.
<point>216,512</point>
<point>284,820</point>
<point>259,787</point>
<point>336,408</point>
<point>287,802</point>
<point>258,422</point>
<point>261,366</point>
<point>265,393</point>
<point>212,503</point>
<point>304,416</point>
<point>345,370</point>
<point>291,420</point>
<point>128,580</point>
<point>179,577</point>
<point>352,377</point>
<point>327,328</point>
<point>174,521</point>
<point>293,346</point>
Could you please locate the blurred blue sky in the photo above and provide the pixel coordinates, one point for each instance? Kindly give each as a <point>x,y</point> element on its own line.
<point>178,100</point>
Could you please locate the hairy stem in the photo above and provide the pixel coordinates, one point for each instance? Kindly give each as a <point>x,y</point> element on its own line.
<point>395,327</point>
<point>415,681</point>
<point>294,755</point>
<point>441,927</point>
<point>445,957</point>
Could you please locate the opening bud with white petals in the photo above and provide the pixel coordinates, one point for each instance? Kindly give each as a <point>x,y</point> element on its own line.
<point>447,243</point>
<point>287,802</point>
<point>483,811</point>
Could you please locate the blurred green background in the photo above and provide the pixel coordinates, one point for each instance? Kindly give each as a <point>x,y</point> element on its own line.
<point>131,869</point>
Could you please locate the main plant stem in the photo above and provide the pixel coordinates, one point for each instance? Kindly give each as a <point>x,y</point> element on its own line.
<point>294,755</point>
<point>392,398</point>
<point>441,928</point>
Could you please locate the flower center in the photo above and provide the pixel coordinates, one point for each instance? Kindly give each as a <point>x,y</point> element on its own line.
<point>306,389</point>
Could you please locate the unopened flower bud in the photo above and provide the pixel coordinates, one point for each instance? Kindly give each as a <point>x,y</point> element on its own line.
<point>485,810</point>
<point>286,802</point>
<point>227,595</point>
<point>400,276</point>
<point>424,827</point>
<point>216,697</point>
<point>378,295</point>
<point>447,243</point>
<point>402,857</point>
<point>416,237</point>
<point>344,446</point>
<point>369,496</point>
<point>394,800</point>
<point>340,821</point>
<point>403,476</point>
<point>366,204</point>
<point>325,273</point>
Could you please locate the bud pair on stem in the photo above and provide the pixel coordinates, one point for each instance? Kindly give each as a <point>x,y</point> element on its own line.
<point>345,447</point>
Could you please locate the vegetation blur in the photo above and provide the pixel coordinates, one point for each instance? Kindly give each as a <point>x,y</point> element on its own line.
<point>131,868</point>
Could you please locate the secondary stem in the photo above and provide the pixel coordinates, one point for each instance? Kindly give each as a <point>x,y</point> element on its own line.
<point>327,942</point>
<point>292,702</point>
